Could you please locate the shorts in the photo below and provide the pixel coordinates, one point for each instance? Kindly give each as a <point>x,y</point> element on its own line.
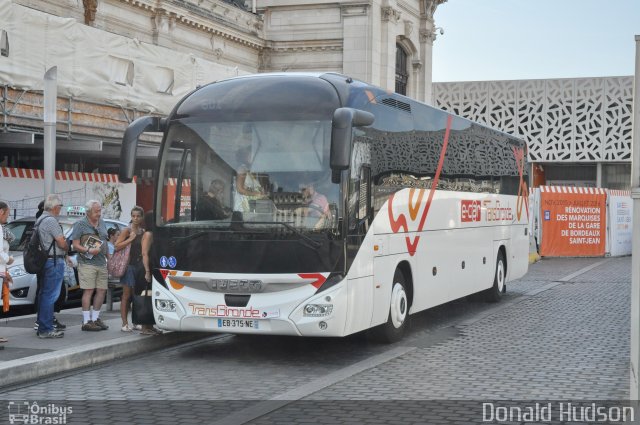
<point>93,277</point>
<point>130,275</point>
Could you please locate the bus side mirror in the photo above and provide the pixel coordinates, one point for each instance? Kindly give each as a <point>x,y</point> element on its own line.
<point>130,144</point>
<point>344,119</point>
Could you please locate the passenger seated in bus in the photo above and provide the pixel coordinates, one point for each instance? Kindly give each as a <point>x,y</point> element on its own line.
<point>247,184</point>
<point>210,206</point>
<point>315,205</point>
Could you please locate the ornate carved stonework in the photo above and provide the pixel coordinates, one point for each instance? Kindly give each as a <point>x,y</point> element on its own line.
<point>162,24</point>
<point>408,28</point>
<point>389,14</point>
<point>90,9</point>
<point>427,36</point>
<point>429,7</point>
<point>264,59</point>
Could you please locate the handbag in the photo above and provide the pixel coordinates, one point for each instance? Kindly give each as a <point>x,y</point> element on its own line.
<point>117,264</point>
<point>142,312</point>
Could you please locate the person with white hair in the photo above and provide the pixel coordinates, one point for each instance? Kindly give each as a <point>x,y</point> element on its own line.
<point>51,237</point>
<point>89,236</point>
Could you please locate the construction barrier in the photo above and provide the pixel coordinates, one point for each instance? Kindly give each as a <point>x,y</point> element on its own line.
<point>581,222</point>
<point>23,189</point>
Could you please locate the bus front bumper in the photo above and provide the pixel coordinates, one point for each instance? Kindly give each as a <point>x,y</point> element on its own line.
<point>298,312</point>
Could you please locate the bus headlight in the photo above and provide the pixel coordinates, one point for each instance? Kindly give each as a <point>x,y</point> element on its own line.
<point>317,310</point>
<point>165,305</point>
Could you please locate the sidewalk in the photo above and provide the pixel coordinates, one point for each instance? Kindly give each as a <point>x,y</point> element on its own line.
<point>26,357</point>
<point>562,331</point>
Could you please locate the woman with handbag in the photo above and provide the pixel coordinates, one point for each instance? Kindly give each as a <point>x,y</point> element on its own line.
<point>129,241</point>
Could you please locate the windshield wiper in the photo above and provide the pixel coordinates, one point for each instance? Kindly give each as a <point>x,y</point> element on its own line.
<point>314,243</point>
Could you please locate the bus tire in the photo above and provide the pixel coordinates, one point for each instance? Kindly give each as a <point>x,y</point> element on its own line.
<point>494,294</point>
<point>394,329</point>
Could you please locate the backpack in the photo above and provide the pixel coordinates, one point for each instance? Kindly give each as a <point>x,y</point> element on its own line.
<point>35,255</point>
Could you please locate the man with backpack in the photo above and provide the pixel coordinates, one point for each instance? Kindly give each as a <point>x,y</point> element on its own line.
<point>52,238</point>
<point>57,306</point>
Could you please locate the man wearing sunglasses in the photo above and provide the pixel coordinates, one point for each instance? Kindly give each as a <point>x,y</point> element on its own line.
<point>50,231</point>
<point>90,238</point>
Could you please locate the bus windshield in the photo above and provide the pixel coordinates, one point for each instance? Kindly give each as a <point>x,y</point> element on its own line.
<point>253,176</point>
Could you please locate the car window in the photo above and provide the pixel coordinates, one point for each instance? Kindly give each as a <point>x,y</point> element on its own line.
<point>22,231</point>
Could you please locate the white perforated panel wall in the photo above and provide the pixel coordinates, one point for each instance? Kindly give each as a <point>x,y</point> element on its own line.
<point>562,120</point>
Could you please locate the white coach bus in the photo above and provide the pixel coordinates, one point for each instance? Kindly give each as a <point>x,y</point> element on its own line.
<point>317,205</point>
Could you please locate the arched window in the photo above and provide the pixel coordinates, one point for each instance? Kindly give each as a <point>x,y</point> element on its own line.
<point>402,76</point>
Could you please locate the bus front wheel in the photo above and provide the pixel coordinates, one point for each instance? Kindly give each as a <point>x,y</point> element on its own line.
<point>394,329</point>
<point>494,293</point>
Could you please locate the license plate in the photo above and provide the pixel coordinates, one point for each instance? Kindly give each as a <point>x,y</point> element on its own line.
<point>238,323</point>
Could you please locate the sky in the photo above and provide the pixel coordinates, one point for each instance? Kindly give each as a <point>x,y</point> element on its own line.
<point>530,39</point>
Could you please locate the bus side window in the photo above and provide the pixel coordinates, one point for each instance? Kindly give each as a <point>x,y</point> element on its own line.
<point>364,201</point>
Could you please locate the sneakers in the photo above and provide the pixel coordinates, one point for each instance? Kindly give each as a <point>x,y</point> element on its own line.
<point>57,326</point>
<point>103,326</point>
<point>136,327</point>
<point>52,334</point>
<point>91,326</point>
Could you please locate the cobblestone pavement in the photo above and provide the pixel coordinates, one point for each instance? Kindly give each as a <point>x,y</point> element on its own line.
<point>569,342</point>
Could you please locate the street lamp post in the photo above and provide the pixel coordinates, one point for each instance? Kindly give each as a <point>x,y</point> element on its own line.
<point>50,100</point>
<point>635,259</point>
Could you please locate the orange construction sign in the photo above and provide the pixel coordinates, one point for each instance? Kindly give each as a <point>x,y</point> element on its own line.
<point>573,221</point>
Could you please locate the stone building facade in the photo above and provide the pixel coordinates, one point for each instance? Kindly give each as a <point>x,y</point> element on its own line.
<point>120,59</point>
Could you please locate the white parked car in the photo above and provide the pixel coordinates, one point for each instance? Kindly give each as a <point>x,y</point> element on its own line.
<point>23,291</point>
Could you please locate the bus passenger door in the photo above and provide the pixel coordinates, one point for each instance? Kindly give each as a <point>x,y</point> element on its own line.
<point>360,285</point>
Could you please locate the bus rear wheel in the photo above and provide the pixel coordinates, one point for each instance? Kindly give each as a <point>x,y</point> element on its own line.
<point>494,294</point>
<point>394,329</point>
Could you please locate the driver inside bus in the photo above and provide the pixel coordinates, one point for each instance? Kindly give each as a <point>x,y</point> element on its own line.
<point>211,206</point>
<point>315,205</point>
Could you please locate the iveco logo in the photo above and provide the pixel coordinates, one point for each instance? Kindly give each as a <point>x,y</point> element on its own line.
<point>235,285</point>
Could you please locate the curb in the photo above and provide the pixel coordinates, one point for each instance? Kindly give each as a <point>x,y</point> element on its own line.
<point>30,368</point>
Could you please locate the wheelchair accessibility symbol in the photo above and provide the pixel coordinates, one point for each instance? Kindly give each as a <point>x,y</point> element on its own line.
<point>170,262</point>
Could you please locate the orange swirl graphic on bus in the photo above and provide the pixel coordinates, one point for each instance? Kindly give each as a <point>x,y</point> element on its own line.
<point>400,223</point>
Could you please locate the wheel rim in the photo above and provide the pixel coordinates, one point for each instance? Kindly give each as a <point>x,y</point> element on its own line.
<point>399,305</point>
<point>500,276</point>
